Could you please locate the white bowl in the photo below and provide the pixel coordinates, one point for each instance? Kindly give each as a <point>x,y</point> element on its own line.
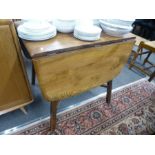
<point>88,30</point>
<point>65,26</point>
<point>126,22</point>
<point>86,38</point>
<point>114,31</point>
<point>116,23</point>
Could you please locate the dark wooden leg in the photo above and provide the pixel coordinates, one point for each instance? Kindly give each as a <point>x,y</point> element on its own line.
<point>146,59</point>
<point>33,75</point>
<point>152,76</point>
<point>109,91</point>
<point>140,53</point>
<point>53,111</point>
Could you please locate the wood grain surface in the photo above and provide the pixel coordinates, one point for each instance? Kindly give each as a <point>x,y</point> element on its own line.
<point>66,42</point>
<point>66,74</point>
<point>14,87</point>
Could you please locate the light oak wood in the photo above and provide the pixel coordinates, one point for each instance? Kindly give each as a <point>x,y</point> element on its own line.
<point>14,108</point>
<point>151,44</point>
<point>67,74</point>
<point>14,87</point>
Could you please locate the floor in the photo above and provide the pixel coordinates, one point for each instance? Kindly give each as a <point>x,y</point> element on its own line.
<point>40,108</point>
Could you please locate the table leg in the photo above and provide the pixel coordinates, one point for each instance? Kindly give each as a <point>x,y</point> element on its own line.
<point>152,76</point>
<point>53,110</point>
<point>109,92</point>
<point>33,75</point>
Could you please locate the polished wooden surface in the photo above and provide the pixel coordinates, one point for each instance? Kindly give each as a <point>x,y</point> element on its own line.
<point>66,42</point>
<point>14,87</point>
<point>66,74</point>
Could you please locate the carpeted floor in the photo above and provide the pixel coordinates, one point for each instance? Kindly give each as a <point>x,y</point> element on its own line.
<point>132,111</point>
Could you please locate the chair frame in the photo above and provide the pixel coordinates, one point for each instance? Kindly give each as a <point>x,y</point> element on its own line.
<point>140,52</point>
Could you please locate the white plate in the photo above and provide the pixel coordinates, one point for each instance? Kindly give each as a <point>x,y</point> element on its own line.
<point>31,35</point>
<point>84,38</point>
<point>40,38</point>
<point>36,25</point>
<point>21,30</point>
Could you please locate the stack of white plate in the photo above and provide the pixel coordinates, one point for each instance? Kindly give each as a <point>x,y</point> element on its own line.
<point>116,27</point>
<point>36,30</point>
<point>87,32</point>
<point>65,25</point>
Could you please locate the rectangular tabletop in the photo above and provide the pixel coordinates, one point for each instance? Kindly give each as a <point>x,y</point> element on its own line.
<point>66,42</point>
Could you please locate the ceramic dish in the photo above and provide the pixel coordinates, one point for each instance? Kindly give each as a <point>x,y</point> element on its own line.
<point>126,22</point>
<point>37,38</point>
<point>65,26</point>
<point>86,38</point>
<point>115,24</point>
<point>87,30</point>
<point>22,30</point>
<point>114,31</point>
<point>36,25</point>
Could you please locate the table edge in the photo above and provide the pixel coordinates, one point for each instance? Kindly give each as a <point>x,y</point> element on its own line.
<point>95,44</point>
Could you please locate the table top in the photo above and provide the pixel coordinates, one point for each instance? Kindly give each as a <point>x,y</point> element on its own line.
<point>151,43</point>
<point>66,42</point>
